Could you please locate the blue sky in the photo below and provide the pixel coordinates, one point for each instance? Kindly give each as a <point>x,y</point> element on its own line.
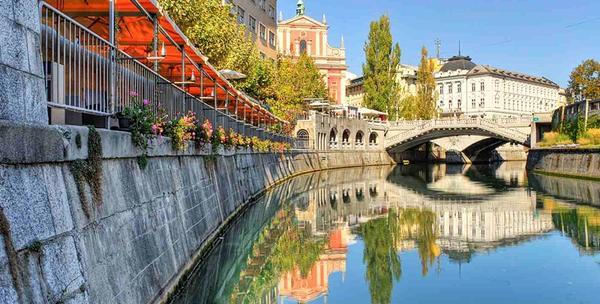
<point>543,38</point>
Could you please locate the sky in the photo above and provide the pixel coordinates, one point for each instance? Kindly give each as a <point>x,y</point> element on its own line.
<point>542,38</point>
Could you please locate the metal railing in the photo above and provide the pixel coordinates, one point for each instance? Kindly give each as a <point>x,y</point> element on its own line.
<point>86,73</point>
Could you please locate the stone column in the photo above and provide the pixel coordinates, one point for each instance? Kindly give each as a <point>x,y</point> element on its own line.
<point>22,90</point>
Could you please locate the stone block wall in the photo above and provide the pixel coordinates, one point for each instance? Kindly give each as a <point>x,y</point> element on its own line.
<point>22,90</point>
<point>584,163</point>
<point>149,224</point>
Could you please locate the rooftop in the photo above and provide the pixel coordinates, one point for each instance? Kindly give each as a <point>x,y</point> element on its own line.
<point>458,63</point>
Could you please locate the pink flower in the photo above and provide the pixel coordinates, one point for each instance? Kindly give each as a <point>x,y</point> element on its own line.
<point>133,94</point>
<point>146,102</point>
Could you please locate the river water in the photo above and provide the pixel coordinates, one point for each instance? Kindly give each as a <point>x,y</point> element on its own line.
<point>410,234</point>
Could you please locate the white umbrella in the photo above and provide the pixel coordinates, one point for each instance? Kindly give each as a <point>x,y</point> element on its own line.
<point>232,75</point>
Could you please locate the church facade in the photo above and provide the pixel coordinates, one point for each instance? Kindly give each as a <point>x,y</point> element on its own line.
<point>303,34</point>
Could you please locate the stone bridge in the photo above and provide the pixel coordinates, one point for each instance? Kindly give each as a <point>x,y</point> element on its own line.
<point>404,135</point>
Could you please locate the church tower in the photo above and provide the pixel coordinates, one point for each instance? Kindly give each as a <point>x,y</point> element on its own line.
<point>304,34</point>
<point>300,8</point>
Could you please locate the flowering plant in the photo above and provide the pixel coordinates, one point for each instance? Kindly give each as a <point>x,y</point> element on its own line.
<point>205,131</point>
<point>141,118</point>
<point>181,130</point>
<point>220,137</point>
<point>235,139</point>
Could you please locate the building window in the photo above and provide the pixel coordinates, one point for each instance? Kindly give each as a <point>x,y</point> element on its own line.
<point>252,24</point>
<point>450,104</point>
<point>482,86</point>
<point>441,103</point>
<point>261,4</point>
<point>441,89</point>
<point>263,32</point>
<point>473,103</point>
<point>473,87</point>
<point>458,104</point>
<point>482,102</point>
<point>271,39</point>
<point>241,14</point>
<point>458,87</point>
<point>272,12</point>
<point>302,46</point>
<point>450,88</point>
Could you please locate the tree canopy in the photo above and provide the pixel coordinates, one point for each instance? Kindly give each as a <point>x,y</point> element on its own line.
<point>380,69</point>
<point>424,103</point>
<point>586,75</point>
<point>283,83</point>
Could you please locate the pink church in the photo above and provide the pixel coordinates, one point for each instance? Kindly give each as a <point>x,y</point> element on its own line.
<point>304,34</point>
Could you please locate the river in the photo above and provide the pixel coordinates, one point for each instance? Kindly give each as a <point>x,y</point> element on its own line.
<point>409,234</point>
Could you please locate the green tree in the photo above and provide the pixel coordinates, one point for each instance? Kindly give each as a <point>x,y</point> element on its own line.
<point>426,93</point>
<point>212,28</point>
<point>586,75</point>
<point>292,82</point>
<point>380,69</point>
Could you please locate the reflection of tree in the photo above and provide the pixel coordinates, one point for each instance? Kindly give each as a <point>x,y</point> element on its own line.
<point>282,246</point>
<point>296,248</point>
<point>421,226</point>
<point>580,223</point>
<point>380,257</point>
<point>383,237</point>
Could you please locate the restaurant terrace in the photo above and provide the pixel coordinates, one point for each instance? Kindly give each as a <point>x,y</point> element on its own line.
<point>97,53</point>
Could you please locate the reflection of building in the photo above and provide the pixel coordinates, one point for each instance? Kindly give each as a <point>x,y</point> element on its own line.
<point>469,89</point>
<point>316,283</point>
<point>303,34</point>
<point>481,218</point>
<point>259,18</point>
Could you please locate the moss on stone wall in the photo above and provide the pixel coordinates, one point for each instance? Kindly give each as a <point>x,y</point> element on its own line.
<point>89,172</point>
<point>11,253</point>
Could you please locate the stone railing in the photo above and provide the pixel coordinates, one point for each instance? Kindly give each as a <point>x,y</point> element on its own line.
<point>487,125</point>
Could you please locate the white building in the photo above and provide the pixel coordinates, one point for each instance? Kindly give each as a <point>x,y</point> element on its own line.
<point>406,77</point>
<point>470,89</point>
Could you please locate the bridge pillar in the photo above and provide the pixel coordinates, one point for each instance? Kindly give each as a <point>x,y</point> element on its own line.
<point>22,90</point>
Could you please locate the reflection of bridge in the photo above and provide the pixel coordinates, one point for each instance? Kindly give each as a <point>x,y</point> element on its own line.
<point>405,135</point>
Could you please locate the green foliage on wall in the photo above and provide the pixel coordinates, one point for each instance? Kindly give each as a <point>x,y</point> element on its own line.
<point>89,172</point>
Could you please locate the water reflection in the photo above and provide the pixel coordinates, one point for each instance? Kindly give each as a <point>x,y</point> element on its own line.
<point>289,246</point>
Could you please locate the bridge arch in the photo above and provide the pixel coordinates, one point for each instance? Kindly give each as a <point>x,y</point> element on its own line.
<point>431,130</point>
<point>373,138</point>
<point>346,136</point>
<point>484,150</point>
<point>359,137</point>
<point>333,135</point>
<point>303,139</point>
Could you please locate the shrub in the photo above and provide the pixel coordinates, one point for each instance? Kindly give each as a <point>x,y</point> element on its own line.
<point>205,132</point>
<point>181,130</point>
<point>590,138</point>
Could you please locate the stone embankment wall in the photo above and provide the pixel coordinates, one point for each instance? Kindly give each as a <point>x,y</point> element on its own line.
<point>130,242</point>
<point>582,163</point>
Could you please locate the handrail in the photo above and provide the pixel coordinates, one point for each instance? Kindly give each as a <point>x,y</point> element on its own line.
<point>86,73</point>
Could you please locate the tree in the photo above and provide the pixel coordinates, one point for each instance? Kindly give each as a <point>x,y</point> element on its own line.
<point>426,93</point>
<point>380,69</point>
<point>586,75</point>
<point>292,82</point>
<point>212,28</point>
